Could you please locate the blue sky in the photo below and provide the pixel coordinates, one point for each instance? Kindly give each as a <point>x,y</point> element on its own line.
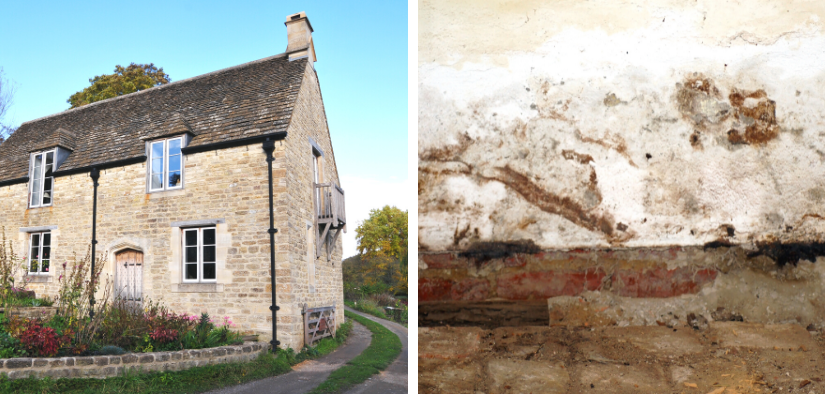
<point>49,50</point>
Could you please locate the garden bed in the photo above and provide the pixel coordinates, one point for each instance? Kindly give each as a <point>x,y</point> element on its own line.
<point>109,366</point>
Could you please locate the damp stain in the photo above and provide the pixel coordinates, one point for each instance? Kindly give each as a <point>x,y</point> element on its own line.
<point>792,252</point>
<point>555,204</point>
<point>754,118</point>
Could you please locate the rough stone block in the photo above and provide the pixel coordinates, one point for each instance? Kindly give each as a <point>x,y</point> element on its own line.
<point>101,361</point>
<point>449,378</point>
<point>57,362</point>
<point>448,342</point>
<point>521,376</point>
<point>146,358</point>
<point>129,358</point>
<point>657,340</point>
<point>15,363</point>
<point>81,361</point>
<point>613,378</point>
<point>764,336</point>
<point>41,362</point>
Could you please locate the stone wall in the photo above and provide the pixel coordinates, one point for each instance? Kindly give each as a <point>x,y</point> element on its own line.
<point>109,366</point>
<point>314,282</point>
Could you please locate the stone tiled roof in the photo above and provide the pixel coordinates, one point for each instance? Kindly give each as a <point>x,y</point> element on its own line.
<point>240,102</point>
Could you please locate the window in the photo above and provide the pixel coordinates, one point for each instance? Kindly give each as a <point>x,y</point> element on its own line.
<point>199,264</point>
<point>42,181</point>
<point>165,165</point>
<point>40,252</point>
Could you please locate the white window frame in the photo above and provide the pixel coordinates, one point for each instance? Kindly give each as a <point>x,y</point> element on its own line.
<point>165,177</point>
<point>39,254</point>
<point>42,177</point>
<point>200,261</point>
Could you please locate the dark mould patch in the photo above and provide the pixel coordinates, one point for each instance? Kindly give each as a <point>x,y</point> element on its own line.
<point>481,252</point>
<point>719,243</point>
<point>695,140</point>
<point>648,156</point>
<point>784,253</point>
<point>621,227</point>
<point>729,229</point>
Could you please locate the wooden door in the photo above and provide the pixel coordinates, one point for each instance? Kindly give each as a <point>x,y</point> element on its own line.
<point>129,276</point>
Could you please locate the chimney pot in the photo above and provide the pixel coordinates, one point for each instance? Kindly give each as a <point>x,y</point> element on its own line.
<point>299,37</point>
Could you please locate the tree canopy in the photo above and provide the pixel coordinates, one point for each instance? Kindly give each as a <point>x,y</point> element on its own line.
<point>382,246</point>
<point>126,80</point>
<point>384,234</point>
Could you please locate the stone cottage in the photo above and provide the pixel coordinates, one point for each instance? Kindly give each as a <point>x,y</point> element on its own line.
<point>615,164</point>
<point>183,204</point>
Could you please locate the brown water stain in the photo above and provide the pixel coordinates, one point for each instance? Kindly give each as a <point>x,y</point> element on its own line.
<point>553,203</point>
<point>757,117</point>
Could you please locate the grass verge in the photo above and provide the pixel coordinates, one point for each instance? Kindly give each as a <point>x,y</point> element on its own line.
<point>382,351</point>
<point>370,309</point>
<point>193,380</point>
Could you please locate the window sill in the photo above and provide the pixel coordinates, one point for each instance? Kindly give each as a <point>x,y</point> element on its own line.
<point>166,193</point>
<point>197,288</point>
<point>39,278</point>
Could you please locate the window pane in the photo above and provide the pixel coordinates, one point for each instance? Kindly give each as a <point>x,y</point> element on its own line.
<point>191,271</point>
<point>157,150</point>
<point>209,271</point>
<point>157,165</point>
<point>47,191</point>
<point>47,239</point>
<point>209,236</point>
<point>46,253</point>
<point>174,163</point>
<point>208,254</point>
<point>35,255</point>
<point>191,237</point>
<point>38,162</point>
<point>49,163</point>
<point>191,254</point>
<point>44,265</point>
<point>36,192</point>
<point>174,147</point>
<point>157,180</point>
<point>174,179</point>
<point>33,267</point>
<point>35,240</point>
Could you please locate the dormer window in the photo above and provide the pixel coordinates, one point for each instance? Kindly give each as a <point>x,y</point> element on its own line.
<point>41,180</point>
<point>165,165</point>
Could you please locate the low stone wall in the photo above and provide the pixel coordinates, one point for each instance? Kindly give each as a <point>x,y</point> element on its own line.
<point>109,366</point>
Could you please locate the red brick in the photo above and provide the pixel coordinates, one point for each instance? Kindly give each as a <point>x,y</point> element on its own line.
<point>441,261</point>
<point>470,289</point>
<point>546,284</point>
<point>661,282</point>
<point>434,289</point>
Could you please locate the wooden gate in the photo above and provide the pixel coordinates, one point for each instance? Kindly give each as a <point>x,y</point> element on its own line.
<point>318,323</point>
<point>129,277</point>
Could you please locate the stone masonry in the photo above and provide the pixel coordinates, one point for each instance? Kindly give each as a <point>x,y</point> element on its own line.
<point>109,366</point>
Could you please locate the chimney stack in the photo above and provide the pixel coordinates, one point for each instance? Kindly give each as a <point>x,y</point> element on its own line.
<point>299,36</point>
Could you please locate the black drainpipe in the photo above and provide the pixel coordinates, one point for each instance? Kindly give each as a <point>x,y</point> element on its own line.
<point>95,174</point>
<point>269,147</point>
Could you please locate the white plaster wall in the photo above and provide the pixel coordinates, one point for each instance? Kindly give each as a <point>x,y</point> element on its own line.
<point>536,119</point>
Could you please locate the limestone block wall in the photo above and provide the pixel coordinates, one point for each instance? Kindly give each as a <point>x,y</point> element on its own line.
<point>620,127</point>
<point>228,186</point>
<point>315,282</point>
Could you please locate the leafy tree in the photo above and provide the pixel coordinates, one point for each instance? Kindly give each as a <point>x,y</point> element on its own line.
<point>382,245</point>
<point>127,80</point>
<point>6,95</point>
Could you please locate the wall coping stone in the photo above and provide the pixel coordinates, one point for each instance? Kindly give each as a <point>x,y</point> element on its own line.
<point>110,366</point>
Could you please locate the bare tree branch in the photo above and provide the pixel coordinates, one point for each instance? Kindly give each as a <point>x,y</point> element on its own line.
<point>6,99</point>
